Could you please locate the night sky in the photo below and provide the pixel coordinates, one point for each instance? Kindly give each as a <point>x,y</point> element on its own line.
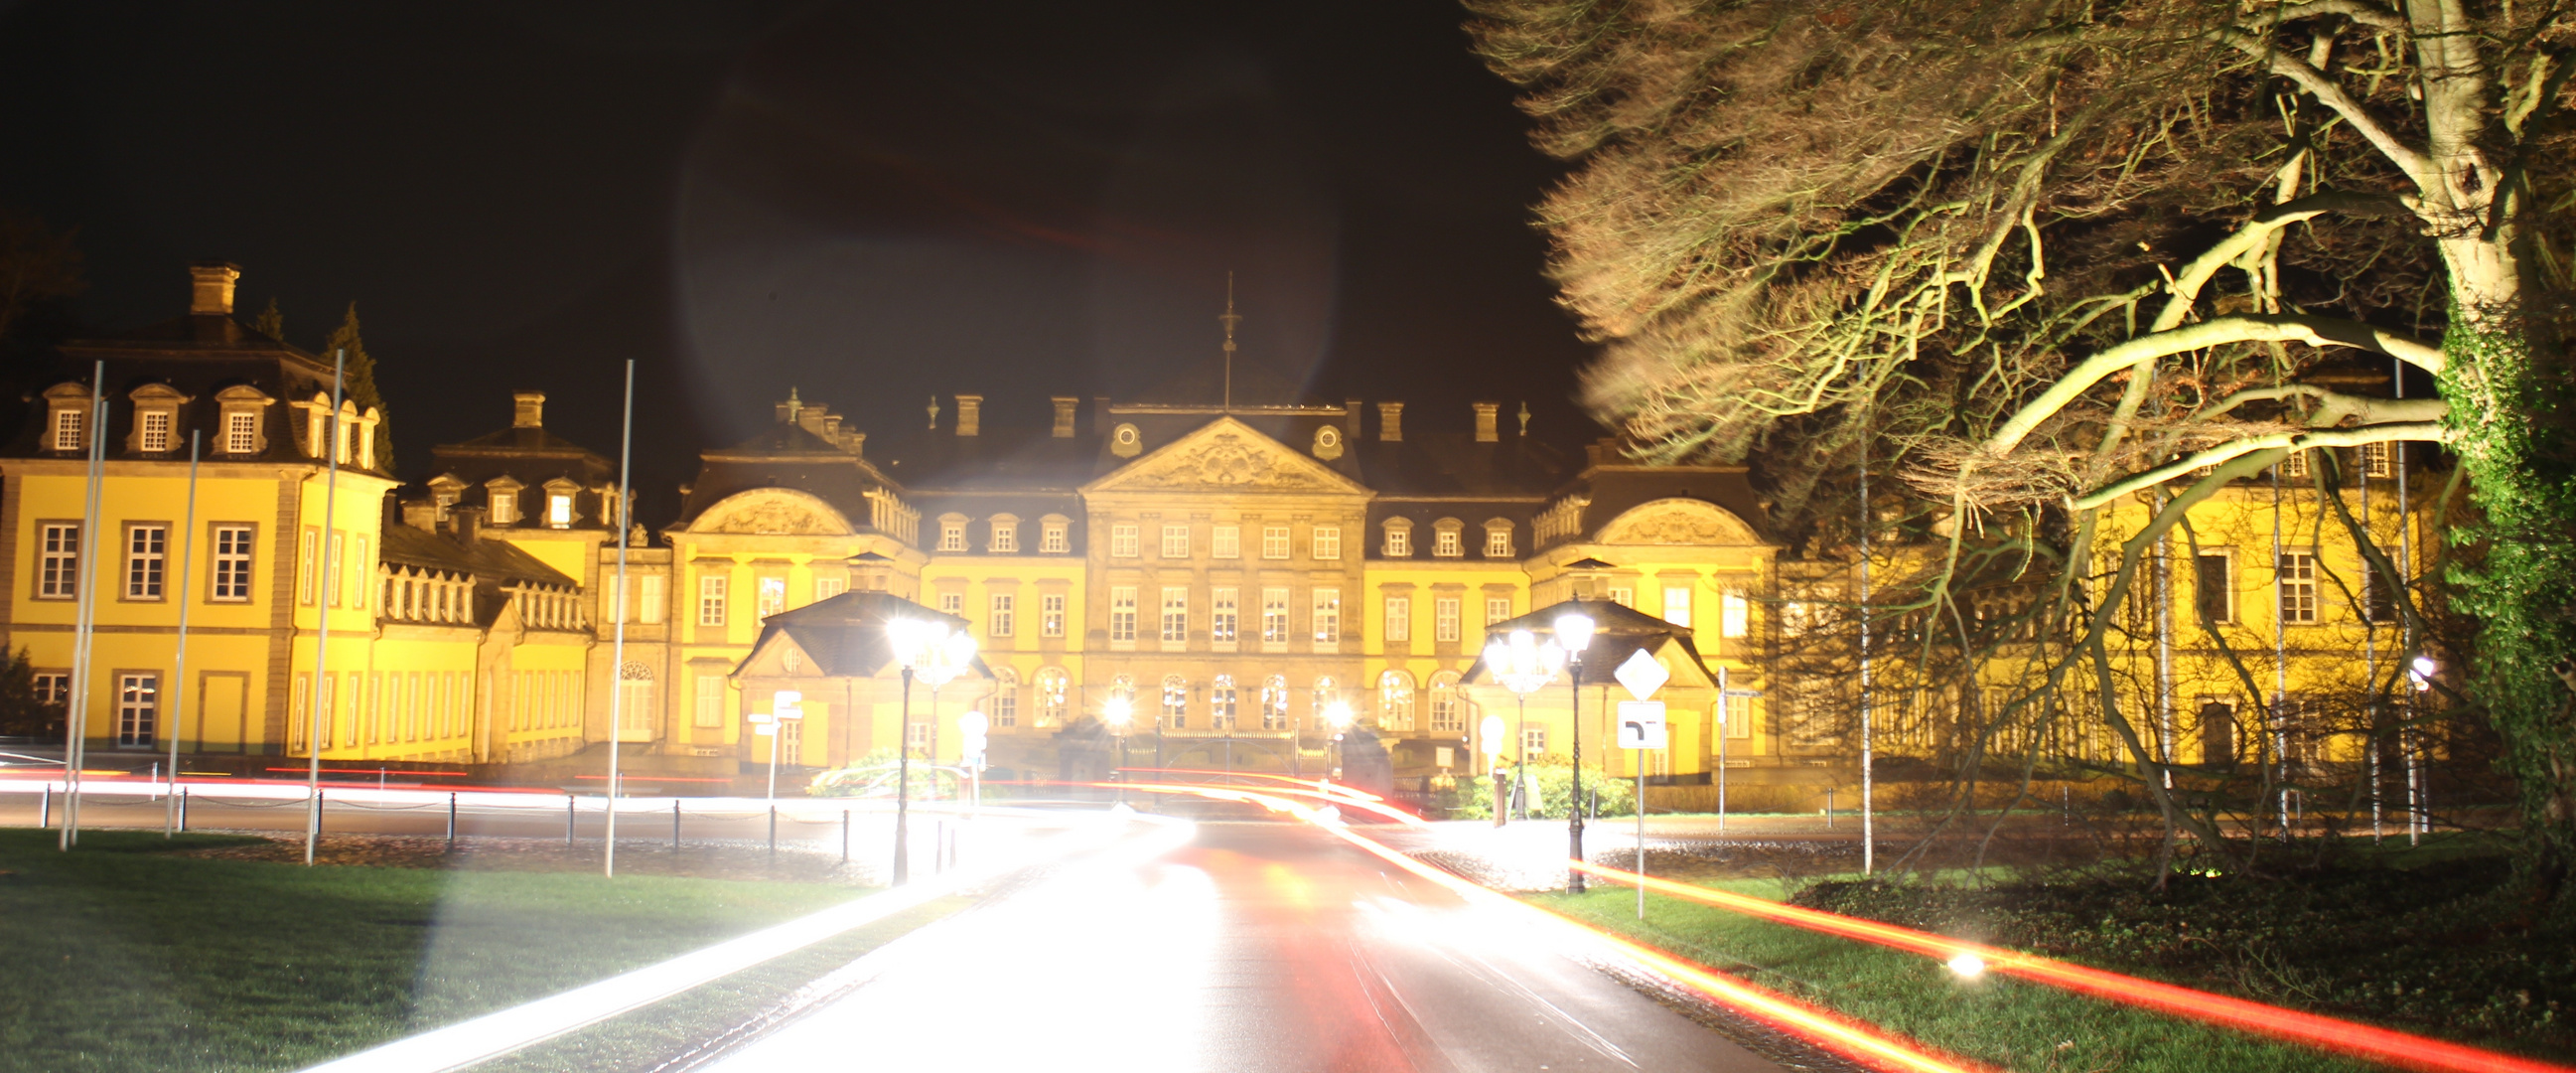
<point>871,202</point>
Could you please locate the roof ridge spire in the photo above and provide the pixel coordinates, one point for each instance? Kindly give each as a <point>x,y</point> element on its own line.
<point>1229,318</point>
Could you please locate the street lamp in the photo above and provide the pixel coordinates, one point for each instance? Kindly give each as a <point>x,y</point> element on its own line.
<point>1574,632</point>
<point>930,651</point>
<point>1493,730</point>
<point>1118,712</point>
<point>1524,666</point>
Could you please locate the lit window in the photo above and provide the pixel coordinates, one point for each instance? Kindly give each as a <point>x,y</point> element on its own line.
<point>1274,702</point>
<point>1054,687</point>
<point>1445,715</point>
<point>505,507</point>
<point>1176,542</point>
<point>1122,615</point>
<point>952,535</point>
<point>2296,465</point>
<point>559,511</point>
<point>772,596</point>
<point>1051,615</point>
<point>1444,619</point>
<point>1497,609</point>
<point>1399,618</point>
<point>1176,702</point>
<point>2298,587</point>
<point>241,433</point>
<point>154,437</point>
<point>334,576</point>
<point>1399,540</point>
<point>1226,542</point>
<point>232,563</point>
<point>138,706</point>
<point>1677,606</point>
<point>1224,617</point>
<point>1328,542</point>
<point>2375,460</point>
<point>1004,706</point>
<point>1735,615</point>
<point>1738,720</point>
<point>1274,542</point>
<point>1623,595</point>
<point>1328,616</point>
<point>305,583</point>
<point>1498,541</point>
<point>1221,702</point>
<point>952,603</point>
<point>649,595</point>
<point>710,701</point>
<point>711,601</point>
<point>1122,540</point>
<point>67,429</point>
<point>1006,534</point>
<point>1176,615</point>
<point>999,622</point>
<point>827,587</point>
<point>1056,539</point>
<point>1445,541</point>
<point>1395,700</point>
<point>359,566</point>
<point>58,572</point>
<point>1274,616</point>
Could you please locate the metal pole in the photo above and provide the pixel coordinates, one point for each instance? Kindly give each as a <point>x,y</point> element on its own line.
<point>322,607</point>
<point>1520,771</point>
<point>2280,665</point>
<point>845,835</point>
<point>183,809</point>
<point>451,822</point>
<point>1868,756</point>
<point>1574,806</point>
<point>179,672</point>
<point>2406,650</point>
<point>45,806</point>
<point>1722,701</point>
<point>773,828</point>
<point>617,648</point>
<point>903,788</point>
<point>85,617</point>
<point>675,825</point>
<point>569,802</point>
<point>1638,757</point>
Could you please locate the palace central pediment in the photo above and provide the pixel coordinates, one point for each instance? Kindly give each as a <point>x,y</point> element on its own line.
<point>772,512</point>
<point>1678,522</point>
<point>1225,456</point>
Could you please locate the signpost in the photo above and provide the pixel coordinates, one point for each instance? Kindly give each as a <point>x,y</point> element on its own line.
<point>971,742</point>
<point>1641,727</point>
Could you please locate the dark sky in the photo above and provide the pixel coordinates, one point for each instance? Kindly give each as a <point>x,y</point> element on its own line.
<point>872,202</point>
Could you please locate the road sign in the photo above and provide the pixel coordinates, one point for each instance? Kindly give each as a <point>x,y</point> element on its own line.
<point>789,704</point>
<point>1642,675</point>
<point>1641,724</point>
<point>1493,735</point>
<point>970,731</point>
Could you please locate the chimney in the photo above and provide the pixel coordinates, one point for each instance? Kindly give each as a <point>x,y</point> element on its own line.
<point>858,443</point>
<point>970,415</point>
<point>212,292</point>
<point>1352,409</point>
<point>810,417</point>
<point>1390,422</point>
<point>832,428</point>
<point>1064,405</point>
<point>468,523</point>
<point>1487,413</point>
<point>1100,414</point>
<point>528,409</point>
<point>421,514</point>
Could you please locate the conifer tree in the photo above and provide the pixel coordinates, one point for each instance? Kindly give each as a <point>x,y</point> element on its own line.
<point>359,382</point>
<point>270,322</point>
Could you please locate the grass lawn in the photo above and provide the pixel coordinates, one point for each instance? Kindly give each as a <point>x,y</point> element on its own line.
<point>120,956</point>
<point>2005,1022</point>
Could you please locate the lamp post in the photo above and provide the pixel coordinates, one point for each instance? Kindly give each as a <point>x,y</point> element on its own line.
<point>932,652</point>
<point>1493,730</point>
<point>1574,633</point>
<point>970,743</point>
<point>1337,715</point>
<point>1118,712</point>
<point>1524,666</point>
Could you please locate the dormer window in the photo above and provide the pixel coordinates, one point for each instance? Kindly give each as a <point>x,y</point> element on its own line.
<point>156,419</point>
<point>241,433</point>
<point>952,532</point>
<point>559,512</point>
<point>1446,543</point>
<point>505,507</point>
<point>1005,536</point>
<point>1055,535</point>
<point>1399,538</point>
<point>152,434</point>
<point>240,407</point>
<point>1498,539</point>
<point>67,428</point>
<point>68,420</point>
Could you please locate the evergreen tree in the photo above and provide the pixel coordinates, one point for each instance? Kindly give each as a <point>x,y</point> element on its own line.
<point>21,714</point>
<point>271,323</point>
<point>359,382</point>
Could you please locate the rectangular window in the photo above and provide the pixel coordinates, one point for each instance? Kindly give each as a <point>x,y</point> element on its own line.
<point>1498,542</point>
<point>1399,542</point>
<point>1677,605</point>
<point>1734,615</point>
<point>1274,542</point>
<point>333,579</point>
<point>1623,595</point>
<point>154,437</point>
<point>999,621</point>
<point>1534,742</point>
<point>232,563</point>
<point>505,507</point>
<point>770,596</point>
<point>1051,615</point>
<point>147,556</point>
<point>1445,544</point>
<point>241,433</point>
<point>827,587</point>
<point>1176,614</point>
<point>2294,466</point>
<point>2374,460</point>
<point>1444,619</point>
<point>650,597</point>
<point>710,701</point>
<point>559,511</point>
<point>1328,542</point>
<point>138,708</point>
<point>1497,609</point>
<point>1122,615</point>
<point>58,566</point>
<point>1122,540</point>
<point>1226,542</point>
<point>54,689</point>
<point>1328,616</point>
<point>1739,716</point>
<point>1224,617</point>
<point>1005,702</point>
<point>2215,590</point>
<point>711,600</point>
<point>2298,580</point>
<point>305,583</point>
<point>952,603</point>
<point>1006,536</point>
<point>1399,618</point>
<point>361,571</point>
<point>952,536</point>
<point>2378,597</point>
<point>1057,538</point>
<point>67,429</point>
<point>1274,615</point>
<point>1176,542</point>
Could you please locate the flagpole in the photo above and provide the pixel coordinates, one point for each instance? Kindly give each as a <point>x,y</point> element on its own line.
<point>617,648</point>
<point>179,670</point>
<point>85,614</point>
<point>322,611</point>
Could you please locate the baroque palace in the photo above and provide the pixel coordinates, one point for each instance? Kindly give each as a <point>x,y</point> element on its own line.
<point>1230,560</point>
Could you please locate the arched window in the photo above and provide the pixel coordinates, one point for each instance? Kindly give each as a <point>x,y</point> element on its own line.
<point>1447,715</point>
<point>1176,702</point>
<point>1221,701</point>
<point>1053,687</point>
<point>1123,687</point>
<point>1274,702</point>
<point>1395,700</point>
<point>1004,708</point>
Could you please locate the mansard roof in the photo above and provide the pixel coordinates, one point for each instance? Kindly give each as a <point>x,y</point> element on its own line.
<point>488,558</point>
<point>846,635</point>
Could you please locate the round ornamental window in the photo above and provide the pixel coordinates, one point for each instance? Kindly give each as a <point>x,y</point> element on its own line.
<point>1125,442</point>
<point>1328,443</point>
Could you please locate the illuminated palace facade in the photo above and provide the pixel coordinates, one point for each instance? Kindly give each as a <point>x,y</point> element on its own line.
<point>1226,557</point>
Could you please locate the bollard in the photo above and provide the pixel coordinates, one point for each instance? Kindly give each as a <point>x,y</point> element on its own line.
<point>773,830</point>
<point>845,836</point>
<point>45,806</point>
<point>183,809</point>
<point>939,849</point>
<point>451,822</point>
<point>568,816</point>
<point>675,825</point>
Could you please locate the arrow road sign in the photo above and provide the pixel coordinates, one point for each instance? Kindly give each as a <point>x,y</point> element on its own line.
<point>1641,724</point>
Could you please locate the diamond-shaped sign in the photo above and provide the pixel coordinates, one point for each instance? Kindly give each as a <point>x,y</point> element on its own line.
<point>1642,675</point>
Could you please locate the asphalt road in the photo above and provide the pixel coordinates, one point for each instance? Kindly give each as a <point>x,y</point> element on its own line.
<point>1258,947</point>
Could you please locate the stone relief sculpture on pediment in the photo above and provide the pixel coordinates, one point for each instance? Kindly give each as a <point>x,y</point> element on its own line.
<point>772,512</point>
<point>1223,457</point>
<point>1678,521</point>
